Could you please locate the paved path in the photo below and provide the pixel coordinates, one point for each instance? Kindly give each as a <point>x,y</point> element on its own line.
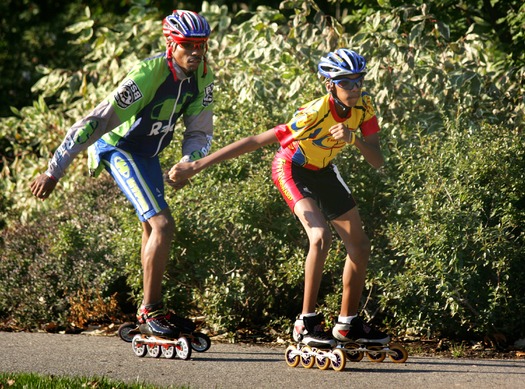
<point>230,366</point>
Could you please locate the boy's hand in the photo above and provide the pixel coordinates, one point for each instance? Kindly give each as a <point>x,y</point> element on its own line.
<point>342,132</point>
<point>181,172</point>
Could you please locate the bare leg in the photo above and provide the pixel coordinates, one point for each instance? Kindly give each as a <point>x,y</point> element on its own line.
<point>350,229</point>
<point>157,236</point>
<point>320,238</point>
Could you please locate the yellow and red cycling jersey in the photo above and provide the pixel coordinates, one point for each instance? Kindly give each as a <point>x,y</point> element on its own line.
<point>306,139</point>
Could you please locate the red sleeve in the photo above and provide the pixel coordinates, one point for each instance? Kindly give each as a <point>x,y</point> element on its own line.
<point>284,135</point>
<point>370,126</point>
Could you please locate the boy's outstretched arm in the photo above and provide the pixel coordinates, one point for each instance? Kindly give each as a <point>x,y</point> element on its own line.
<point>184,170</point>
<point>370,148</point>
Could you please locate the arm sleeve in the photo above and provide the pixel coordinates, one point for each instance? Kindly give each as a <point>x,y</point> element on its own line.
<point>81,135</point>
<point>197,137</point>
<point>137,89</point>
<point>284,135</point>
<point>299,127</point>
<point>369,125</point>
<point>198,121</point>
<point>121,105</point>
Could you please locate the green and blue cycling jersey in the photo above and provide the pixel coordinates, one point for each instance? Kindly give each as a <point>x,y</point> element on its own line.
<point>139,116</point>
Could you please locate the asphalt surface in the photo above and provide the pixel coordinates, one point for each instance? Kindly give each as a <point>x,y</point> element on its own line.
<point>229,366</point>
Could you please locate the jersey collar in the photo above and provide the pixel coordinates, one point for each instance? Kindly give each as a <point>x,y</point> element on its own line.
<point>334,113</point>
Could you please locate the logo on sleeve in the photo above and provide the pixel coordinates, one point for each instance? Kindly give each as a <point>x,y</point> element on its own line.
<point>208,95</point>
<point>127,93</point>
<point>368,105</point>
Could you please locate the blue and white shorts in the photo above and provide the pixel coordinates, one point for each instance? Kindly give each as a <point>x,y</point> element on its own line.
<point>140,179</point>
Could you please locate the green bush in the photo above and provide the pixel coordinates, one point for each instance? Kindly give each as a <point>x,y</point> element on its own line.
<point>455,237</point>
<point>61,271</point>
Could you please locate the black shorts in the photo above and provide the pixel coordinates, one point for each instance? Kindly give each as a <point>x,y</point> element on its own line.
<point>325,186</point>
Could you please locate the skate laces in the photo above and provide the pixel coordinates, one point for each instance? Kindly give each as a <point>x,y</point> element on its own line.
<point>159,314</point>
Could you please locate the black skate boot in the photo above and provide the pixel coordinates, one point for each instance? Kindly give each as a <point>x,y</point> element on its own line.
<point>186,325</point>
<point>359,332</point>
<point>153,321</point>
<point>310,331</point>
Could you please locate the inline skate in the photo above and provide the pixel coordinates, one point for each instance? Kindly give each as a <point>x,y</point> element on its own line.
<point>358,338</point>
<point>314,346</point>
<point>168,335</point>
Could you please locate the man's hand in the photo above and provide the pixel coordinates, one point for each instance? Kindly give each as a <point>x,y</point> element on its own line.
<point>42,186</point>
<point>342,132</point>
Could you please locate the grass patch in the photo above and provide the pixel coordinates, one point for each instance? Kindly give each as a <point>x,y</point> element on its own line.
<point>36,381</point>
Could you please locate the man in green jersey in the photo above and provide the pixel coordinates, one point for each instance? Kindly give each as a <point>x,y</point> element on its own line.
<point>125,134</point>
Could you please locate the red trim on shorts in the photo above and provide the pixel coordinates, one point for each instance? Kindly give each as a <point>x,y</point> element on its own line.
<point>282,178</point>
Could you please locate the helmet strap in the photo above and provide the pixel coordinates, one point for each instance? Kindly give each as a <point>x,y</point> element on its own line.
<point>344,107</point>
<point>169,57</point>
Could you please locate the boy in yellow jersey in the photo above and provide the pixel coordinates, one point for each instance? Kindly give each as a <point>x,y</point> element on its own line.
<point>315,192</point>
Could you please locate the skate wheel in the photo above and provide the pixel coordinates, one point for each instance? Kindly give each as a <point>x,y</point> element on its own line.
<point>322,360</point>
<point>169,352</point>
<point>183,348</point>
<point>291,356</point>
<point>401,354</point>
<point>338,359</point>
<point>307,357</point>
<point>138,347</point>
<point>200,342</point>
<point>125,331</point>
<point>376,354</point>
<point>154,350</point>
<point>351,353</point>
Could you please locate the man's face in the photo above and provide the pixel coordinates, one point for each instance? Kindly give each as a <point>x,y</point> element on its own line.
<point>189,55</point>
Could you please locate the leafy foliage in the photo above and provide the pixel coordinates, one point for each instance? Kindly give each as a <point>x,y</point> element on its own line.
<point>456,239</point>
<point>61,269</point>
<point>445,214</point>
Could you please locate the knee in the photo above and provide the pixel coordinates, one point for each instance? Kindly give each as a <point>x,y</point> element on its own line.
<point>163,224</point>
<point>321,240</point>
<point>360,248</point>
<point>168,227</point>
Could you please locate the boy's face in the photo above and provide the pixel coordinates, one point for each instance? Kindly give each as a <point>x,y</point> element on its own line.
<point>347,88</point>
<point>188,55</point>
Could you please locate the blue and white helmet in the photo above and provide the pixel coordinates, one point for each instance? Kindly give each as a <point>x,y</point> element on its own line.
<point>340,63</point>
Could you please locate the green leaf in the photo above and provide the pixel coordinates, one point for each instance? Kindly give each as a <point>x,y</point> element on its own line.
<point>444,30</point>
<point>80,26</point>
